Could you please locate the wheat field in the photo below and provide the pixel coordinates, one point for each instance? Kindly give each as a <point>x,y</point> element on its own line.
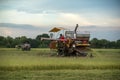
<point>43,64</point>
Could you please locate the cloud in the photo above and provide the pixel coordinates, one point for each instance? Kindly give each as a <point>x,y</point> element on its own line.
<point>18,26</point>
<point>35,6</point>
<point>61,12</point>
<point>21,17</point>
<point>72,19</point>
<point>14,30</point>
<point>56,18</point>
<point>22,26</point>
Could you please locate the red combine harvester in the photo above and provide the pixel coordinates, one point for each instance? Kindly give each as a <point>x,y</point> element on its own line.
<point>73,43</point>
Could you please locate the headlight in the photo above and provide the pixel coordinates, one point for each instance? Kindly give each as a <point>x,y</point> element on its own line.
<point>73,45</point>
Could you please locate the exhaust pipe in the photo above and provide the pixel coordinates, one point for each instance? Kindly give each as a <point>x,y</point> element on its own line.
<point>76,28</point>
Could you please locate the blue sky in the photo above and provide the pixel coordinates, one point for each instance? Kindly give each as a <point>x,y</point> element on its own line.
<point>41,15</point>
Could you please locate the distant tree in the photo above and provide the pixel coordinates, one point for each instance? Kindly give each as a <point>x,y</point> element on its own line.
<point>17,41</point>
<point>38,37</point>
<point>9,42</point>
<point>112,44</point>
<point>42,35</point>
<point>103,43</point>
<point>44,43</point>
<point>2,41</point>
<point>23,39</point>
<point>118,44</point>
<point>94,43</point>
<point>34,43</point>
<point>37,42</point>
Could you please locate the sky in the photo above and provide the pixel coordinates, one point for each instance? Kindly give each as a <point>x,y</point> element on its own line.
<point>33,17</point>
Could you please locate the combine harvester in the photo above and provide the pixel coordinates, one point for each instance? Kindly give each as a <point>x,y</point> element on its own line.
<point>73,43</point>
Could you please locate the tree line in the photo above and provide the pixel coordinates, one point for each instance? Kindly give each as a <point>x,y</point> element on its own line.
<point>103,43</point>
<point>10,42</point>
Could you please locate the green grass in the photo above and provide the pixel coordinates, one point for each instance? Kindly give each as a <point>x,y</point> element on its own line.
<point>42,64</point>
<point>61,75</point>
<point>40,59</point>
